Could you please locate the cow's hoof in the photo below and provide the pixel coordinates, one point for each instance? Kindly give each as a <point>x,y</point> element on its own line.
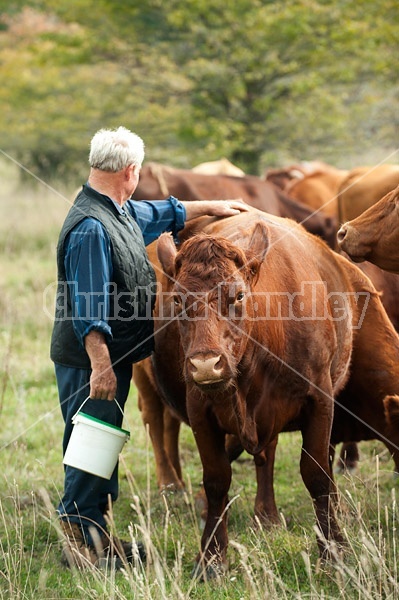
<point>210,572</point>
<point>267,521</point>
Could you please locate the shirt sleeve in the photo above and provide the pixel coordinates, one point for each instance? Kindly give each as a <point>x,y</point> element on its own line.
<point>89,271</point>
<point>155,217</point>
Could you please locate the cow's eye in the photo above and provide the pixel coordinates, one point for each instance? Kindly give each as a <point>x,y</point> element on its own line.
<point>240,297</point>
<point>177,300</point>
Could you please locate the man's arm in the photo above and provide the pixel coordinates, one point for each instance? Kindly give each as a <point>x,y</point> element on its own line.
<point>102,378</point>
<point>156,216</point>
<point>88,269</point>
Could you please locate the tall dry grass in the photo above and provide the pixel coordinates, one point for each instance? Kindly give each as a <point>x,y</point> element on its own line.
<point>279,564</point>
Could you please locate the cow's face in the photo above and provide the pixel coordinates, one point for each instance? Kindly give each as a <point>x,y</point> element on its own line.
<point>212,294</point>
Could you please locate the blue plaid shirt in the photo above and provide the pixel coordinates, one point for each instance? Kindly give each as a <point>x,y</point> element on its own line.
<point>88,264</point>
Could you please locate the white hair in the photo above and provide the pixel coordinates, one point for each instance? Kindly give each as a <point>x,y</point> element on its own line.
<point>114,149</point>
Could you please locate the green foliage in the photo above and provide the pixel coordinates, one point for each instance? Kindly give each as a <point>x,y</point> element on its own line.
<point>251,80</point>
<point>281,74</point>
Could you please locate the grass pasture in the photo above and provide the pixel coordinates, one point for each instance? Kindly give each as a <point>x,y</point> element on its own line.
<point>278,564</point>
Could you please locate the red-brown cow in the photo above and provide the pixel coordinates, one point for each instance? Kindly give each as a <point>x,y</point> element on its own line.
<point>164,426</point>
<point>158,181</point>
<point>374,235</point>
<point>253,369</point>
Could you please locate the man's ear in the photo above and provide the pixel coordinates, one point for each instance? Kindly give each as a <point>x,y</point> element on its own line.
<point>131,170</point>
<point>136,169</point>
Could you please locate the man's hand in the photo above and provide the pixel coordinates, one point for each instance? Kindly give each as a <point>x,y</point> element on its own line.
<point>102,380</point>
<point>215,208</point>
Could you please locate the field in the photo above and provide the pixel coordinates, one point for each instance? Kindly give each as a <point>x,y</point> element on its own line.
<point>277,564</point>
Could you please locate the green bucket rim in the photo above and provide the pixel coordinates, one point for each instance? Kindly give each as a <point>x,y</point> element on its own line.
<point>91,418</point>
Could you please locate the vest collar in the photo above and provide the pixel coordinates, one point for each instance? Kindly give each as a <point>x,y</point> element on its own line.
<point>90,191</point>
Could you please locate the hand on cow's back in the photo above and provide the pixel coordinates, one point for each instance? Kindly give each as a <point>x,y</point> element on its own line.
<point>214,208</point>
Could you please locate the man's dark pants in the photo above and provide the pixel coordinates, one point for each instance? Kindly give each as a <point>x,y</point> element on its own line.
<point>86,496</point>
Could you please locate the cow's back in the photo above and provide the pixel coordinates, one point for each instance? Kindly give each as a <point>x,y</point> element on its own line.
<point>318,190</point>
<point>363,187</point>
<point>158,181</point>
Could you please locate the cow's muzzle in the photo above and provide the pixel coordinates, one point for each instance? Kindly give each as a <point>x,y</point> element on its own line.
<point>208,371</point>
<point>349,241</point>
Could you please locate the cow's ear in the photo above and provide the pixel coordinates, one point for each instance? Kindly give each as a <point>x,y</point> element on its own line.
<point>259,242</point>
<point>257,249</point>
<point>166,251</point>
<point>255,239</point>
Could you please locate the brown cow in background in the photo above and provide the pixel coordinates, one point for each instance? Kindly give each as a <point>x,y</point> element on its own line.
<point>158,181</point>
<point>318,190</point>
<point>260,377</point>
<point>315,184</point>
<point>363,187</point>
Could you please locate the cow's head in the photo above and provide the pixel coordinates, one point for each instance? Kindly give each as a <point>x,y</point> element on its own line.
<point>212,283</point>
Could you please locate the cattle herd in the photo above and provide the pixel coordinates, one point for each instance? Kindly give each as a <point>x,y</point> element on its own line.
<point>264,324</point>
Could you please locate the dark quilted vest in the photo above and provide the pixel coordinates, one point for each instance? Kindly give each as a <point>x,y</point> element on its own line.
<point>133,288</point>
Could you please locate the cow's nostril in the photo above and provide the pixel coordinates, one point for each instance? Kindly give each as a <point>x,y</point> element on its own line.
<point>341,234</point>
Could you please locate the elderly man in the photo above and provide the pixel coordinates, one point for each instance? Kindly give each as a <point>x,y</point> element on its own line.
<point>103,320</point>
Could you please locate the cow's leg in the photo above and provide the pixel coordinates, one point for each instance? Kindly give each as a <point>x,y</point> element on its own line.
<point>348,458</point>
<point>316,471</point>
<point>393,450</point>
<point>154,414</point>
<point>234,449</point>
<point>216,480</point>
<point>265,504</point>
<point>391,409</point>
<point>171,441</point>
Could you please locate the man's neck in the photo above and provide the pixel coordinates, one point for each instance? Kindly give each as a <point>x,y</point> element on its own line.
<point>109,184</point>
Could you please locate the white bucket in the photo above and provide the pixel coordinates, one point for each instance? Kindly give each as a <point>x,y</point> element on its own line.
<point>94,445</point>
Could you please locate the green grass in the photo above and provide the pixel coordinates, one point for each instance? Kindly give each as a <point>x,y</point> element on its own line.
<point>277,564</point>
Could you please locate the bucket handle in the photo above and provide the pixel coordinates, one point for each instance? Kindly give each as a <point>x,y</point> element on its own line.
<point>88,398</point>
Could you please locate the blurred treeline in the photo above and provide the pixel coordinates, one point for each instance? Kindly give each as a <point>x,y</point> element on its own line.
<point>259,82</point>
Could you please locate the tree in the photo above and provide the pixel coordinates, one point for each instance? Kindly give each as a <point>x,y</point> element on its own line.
<point>256,81</point>
<point>272,76</point>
